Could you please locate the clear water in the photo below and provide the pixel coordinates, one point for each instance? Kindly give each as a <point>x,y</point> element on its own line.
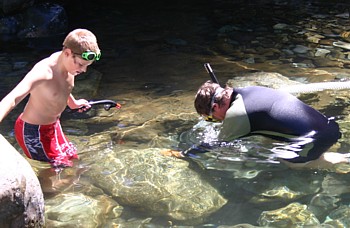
<point>152,62</point>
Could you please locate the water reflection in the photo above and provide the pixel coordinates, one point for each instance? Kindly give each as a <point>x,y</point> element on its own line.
<point>147,65</point>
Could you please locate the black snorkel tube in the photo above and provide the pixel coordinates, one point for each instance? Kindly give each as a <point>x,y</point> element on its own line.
<point>211,73</point>
<point>107,105</point>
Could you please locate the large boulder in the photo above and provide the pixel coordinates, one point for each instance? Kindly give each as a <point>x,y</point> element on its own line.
<point>21,196</point>
<point>156,184</point>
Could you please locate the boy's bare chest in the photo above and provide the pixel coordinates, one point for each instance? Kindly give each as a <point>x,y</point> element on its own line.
<point>58,88</point>
<point>63,85</point>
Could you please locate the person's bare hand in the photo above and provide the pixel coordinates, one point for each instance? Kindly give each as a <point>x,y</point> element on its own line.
<point>82,105</point>
<point>84,109</point>
<point>172,153</point>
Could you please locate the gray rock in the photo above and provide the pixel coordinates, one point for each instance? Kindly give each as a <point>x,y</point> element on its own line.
<point>280,26</point>
<point>301,49</point>
<point>21,197</point>
<point>339,216</point>
<point>268,79</point>
<point>293,215</point>
<point>156,184</point>
<point>86,84</point>
<point>78,210</point>
<point>342,44</point>
<point>321,52</point>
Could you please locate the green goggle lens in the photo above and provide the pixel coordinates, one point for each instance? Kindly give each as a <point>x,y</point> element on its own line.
<point>90,55</point>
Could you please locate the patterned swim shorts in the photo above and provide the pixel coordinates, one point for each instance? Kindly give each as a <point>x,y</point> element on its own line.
<point>45,143</point>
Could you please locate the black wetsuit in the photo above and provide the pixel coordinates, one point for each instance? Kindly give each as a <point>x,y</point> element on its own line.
<point>279,115</point>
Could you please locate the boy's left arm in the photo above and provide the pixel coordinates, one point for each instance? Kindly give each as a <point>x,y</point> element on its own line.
<point>78,104</point>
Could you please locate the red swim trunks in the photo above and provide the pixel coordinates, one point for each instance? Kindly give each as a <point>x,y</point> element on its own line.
<point>45,143</point>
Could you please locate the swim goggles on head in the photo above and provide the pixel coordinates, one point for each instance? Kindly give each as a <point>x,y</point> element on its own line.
<point>90,55</point>
<point>210,117</point>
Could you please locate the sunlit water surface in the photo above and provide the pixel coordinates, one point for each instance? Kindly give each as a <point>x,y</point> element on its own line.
<point>152,63</point>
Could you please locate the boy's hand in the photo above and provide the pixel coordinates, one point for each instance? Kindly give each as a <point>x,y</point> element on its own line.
<point>84,109</point>
<point>81,105</point>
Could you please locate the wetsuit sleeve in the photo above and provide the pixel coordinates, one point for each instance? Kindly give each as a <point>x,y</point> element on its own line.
<point>236,123</point>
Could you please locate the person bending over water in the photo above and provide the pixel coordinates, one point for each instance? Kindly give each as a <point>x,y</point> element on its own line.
<point>49,84</point>
<point>256,110</point>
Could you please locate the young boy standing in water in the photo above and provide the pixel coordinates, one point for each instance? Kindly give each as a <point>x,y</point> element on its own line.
<point>49,84</point>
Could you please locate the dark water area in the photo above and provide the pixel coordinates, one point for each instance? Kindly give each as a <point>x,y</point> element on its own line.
<point>153,34</point>
<point>157,37</point>
<point>152,60</point>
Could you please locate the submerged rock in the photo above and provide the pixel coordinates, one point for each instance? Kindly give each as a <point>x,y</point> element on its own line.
<point>293,215</point>
<point>339,217</point>
<point>277,193</point>
<point>268,79</point>
<point>156,184</point>
<point>78,210</point>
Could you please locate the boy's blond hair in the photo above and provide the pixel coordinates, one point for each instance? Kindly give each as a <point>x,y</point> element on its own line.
<point>81,40</point>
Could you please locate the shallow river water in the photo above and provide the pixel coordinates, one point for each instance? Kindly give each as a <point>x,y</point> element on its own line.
<point>152,63</point>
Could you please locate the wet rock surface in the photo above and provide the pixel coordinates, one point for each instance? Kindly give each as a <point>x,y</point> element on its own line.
<point>21,197</point>
<point>79,209</point>
<point>158,185</point>
<point>288,216</point>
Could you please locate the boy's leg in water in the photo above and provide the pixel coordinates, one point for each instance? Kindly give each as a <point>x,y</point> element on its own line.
<point>53,180</point>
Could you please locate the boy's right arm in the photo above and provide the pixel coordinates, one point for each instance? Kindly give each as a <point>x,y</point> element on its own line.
<point>6,105</point>
<point>12,99</point>
<point>22,89</point>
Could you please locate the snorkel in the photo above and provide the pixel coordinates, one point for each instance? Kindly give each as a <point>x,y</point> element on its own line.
<point>107,105</point>
<point>211,73</point>
<point>300,88</point>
